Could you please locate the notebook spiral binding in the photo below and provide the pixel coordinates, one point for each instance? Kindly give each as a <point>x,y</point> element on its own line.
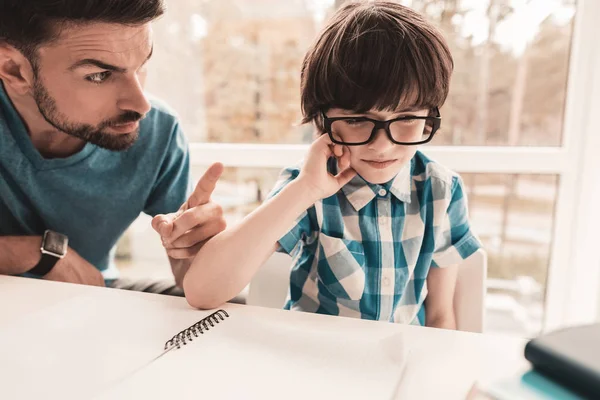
<point>198,328</point>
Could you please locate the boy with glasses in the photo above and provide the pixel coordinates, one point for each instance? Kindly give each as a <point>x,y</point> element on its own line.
<point>375,227</point>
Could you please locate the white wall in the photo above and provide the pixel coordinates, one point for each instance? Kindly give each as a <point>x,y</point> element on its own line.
<point>598,309</point>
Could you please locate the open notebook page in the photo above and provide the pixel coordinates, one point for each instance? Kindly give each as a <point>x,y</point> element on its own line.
<point>258,353</point>
<point>80,346</point>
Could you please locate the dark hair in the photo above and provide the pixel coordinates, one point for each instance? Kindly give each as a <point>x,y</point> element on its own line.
<point>376,55</point>
<point>27,24</point>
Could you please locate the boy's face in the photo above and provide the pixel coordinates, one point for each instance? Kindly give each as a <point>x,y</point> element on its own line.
<point>380,160</point>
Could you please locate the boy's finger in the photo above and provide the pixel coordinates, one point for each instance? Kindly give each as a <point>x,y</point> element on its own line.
<point>323,141</point>
<point>321,150</point>
<point>345,176</point>
<point>323,145</point>
<point>343,163</point>
<point>205,186</point>
<point>344,160</point>
<point>338,150</point>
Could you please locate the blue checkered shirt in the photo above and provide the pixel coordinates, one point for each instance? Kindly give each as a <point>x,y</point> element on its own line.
<point>366,251</point>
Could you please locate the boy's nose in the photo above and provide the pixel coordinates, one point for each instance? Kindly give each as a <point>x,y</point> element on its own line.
<point>381,142</point>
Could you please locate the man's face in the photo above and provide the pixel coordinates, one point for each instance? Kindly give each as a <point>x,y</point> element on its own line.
<point>380,160</point>
<point>89,83</point>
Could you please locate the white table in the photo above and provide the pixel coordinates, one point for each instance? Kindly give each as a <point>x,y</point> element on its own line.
<point>441,364</point>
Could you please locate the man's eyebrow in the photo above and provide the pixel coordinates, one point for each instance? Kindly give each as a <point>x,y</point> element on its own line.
<point>101,64</point>
<point>95,63</point>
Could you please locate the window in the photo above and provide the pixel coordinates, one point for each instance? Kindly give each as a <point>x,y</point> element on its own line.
<point>515,124</point>
<point>238,65</point>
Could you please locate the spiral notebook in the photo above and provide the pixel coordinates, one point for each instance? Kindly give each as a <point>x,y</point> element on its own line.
<point>118,347</point>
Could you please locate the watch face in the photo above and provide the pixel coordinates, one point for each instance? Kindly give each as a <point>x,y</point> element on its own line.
<point>55,243</point>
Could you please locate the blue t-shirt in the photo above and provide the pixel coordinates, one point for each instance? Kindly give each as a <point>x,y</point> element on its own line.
<point>94,195</point>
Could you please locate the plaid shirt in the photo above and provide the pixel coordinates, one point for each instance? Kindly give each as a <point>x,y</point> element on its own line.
<point>366,251</point>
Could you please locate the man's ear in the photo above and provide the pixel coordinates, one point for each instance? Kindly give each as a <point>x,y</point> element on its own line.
<point>15,69</point>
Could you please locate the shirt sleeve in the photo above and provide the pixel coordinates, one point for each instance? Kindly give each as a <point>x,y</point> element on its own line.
<point>303,227</point>
<point>172,186</point>
<point>455,241</point>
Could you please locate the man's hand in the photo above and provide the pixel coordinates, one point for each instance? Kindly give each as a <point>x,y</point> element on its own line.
<point>75,269</point>
<point>314,175</point>
<point>183,233</point>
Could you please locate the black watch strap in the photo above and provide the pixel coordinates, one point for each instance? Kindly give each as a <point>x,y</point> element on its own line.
<point>47,262</point>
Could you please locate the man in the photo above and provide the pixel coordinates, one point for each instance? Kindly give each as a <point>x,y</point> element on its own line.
<point>82,149</point>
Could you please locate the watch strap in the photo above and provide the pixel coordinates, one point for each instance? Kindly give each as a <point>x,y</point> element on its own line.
<point>47,262</point>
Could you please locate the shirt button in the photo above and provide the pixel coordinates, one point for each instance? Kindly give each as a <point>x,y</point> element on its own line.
<point>382,192</point>
<point>386,281</point>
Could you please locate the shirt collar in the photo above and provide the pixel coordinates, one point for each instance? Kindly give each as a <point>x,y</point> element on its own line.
<point>360,192</point>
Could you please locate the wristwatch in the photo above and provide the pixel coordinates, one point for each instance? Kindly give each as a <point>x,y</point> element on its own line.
<point>54,247</point>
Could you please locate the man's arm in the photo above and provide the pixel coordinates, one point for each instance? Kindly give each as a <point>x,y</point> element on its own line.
<point>184,232</point>
<point>179,268</point>
<point>18,254</point>
<point>439,304</point>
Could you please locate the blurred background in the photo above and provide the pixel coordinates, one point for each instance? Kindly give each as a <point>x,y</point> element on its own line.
<point>231,70</point>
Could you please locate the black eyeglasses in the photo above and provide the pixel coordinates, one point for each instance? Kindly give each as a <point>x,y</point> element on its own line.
<point>406,130</point>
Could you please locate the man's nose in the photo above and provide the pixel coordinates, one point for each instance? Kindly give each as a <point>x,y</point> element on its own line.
<point>134,99</point>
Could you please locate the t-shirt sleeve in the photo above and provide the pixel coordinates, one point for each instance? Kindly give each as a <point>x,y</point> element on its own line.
<point>172,186</point>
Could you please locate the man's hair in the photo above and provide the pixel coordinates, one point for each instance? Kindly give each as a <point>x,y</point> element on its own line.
<point>376,55</point>
<point>28,24</point>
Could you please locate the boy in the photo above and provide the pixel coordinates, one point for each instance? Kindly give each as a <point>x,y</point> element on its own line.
<point>377,229</point>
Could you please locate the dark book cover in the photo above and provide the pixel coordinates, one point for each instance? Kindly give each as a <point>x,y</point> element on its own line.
<point>570,357</point>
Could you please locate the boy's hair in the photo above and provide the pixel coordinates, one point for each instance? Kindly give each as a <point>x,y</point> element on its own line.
<point>376,55</point>
<point>28,24</point>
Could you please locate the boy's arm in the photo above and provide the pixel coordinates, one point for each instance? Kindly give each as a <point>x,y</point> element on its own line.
<point>226,263</point>
<point>439,303</point>
<point>455,243</point>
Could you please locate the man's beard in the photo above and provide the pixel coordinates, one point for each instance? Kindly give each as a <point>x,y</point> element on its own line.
<point>92,134</point>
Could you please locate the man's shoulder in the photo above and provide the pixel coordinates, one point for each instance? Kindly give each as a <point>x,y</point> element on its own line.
<point>161,127</point>
<point>424,169</point>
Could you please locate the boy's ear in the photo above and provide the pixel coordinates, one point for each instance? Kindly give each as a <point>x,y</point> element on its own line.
<point>15,69</point>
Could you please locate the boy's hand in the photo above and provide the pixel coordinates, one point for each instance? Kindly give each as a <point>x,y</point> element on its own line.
<point>314,175</point>
<point>183,233</point>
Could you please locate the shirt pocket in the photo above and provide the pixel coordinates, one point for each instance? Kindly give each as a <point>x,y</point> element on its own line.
<point>341,267</point>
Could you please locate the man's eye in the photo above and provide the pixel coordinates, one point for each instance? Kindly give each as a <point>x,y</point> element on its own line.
<point>98,77</point>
